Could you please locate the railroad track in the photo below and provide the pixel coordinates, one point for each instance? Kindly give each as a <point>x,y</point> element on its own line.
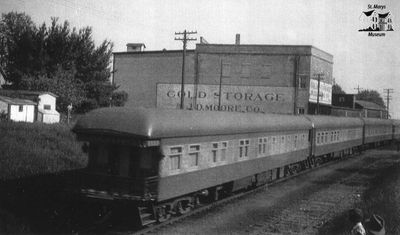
<point>203,208</point>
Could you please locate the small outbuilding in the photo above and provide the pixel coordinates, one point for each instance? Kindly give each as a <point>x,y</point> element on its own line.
<point>44,101</point>
<point>19,110</point>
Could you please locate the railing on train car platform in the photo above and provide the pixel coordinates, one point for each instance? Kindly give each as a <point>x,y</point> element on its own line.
<point>141,187</point>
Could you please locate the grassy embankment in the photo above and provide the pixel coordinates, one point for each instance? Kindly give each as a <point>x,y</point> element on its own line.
<point>28,149</point>
<point>35,160</point>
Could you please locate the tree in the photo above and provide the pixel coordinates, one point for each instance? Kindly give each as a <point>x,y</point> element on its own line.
<point>336,89</point>
<point>371,96</point>
<point>56,58</point>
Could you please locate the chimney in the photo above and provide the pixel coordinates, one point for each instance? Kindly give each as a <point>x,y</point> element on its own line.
<point>237,41</point>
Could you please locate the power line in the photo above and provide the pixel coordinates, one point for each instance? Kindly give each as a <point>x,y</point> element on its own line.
<point>185,39</point>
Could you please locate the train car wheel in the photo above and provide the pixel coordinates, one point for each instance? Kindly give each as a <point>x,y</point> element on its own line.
<point>162,214</point>
<point>183,207</point>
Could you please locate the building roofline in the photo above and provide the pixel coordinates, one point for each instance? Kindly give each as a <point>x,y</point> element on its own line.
<point>17,101</point>
<point>226,45</point>
<point>150,52</point>
<point>24,92</point>
<point>263,45</point>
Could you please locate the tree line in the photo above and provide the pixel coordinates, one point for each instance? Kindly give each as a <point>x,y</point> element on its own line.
<point>366,95</point>
<point>59,59</point>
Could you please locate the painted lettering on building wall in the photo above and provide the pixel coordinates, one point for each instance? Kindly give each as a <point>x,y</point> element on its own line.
<point>229,98</point>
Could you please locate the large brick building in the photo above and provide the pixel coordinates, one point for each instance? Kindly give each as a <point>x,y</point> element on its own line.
<point>241,78</point>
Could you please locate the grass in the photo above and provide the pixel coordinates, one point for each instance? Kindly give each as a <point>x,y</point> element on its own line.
<point>29,149</point>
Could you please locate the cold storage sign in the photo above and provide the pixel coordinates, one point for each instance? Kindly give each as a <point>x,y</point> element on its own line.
<point>229,98</point>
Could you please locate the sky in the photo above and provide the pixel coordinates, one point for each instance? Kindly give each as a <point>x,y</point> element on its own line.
<point>330,25</point>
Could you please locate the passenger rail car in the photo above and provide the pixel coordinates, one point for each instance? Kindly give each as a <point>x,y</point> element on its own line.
<point>396,130</point>
<point>377,131</point>
<point>166,162</point>
<point>336,136</point>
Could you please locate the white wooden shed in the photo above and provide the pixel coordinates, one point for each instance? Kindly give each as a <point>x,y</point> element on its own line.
<point>18,110</point>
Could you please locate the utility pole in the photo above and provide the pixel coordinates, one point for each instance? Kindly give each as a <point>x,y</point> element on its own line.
<point>319,77</point>
<point>184,40</point>
<point>388,97</point>
<point>358,88</point>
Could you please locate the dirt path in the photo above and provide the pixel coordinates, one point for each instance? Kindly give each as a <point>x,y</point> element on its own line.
<point>302,205</point>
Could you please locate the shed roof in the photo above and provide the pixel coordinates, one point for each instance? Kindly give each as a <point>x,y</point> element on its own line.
<point>16,101</point>
<point>369,105</point>
<point>16,93</point>
<point>321,121</point>
<point>164,123</point>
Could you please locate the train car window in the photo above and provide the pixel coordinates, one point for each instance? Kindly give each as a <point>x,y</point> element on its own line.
<point>214,152</point>
<point>124,158</point>
<point>224,146</point>
<point>243,148</point>
<point>260,143</point>
<point>264,145</point>
<point>194,154</point>
<point>274,144</point>
<point>246,148</point>
<point>175,158</point>
<point>282,145</point>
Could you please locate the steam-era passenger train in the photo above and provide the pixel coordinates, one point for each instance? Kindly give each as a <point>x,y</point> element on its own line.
<point>165,162</point>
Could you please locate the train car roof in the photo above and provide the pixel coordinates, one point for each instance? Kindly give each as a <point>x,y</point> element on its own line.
<point>164,123</point>
<point>321,121</point>
<point>377,121</point>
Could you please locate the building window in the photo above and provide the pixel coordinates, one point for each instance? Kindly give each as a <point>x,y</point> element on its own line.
<point>266,71</point>
<point>21,108</point>
<point>226,70</point>
<point>47,106</point>
<point>244,148</point>
<point>194,154</point>
<point>245,72</point>
<point>300,110</point>
<point>175,158</point>
<point>303,81</point>
<point>341,99</point>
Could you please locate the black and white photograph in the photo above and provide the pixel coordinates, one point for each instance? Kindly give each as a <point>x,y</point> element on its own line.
<point>200,117</point>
